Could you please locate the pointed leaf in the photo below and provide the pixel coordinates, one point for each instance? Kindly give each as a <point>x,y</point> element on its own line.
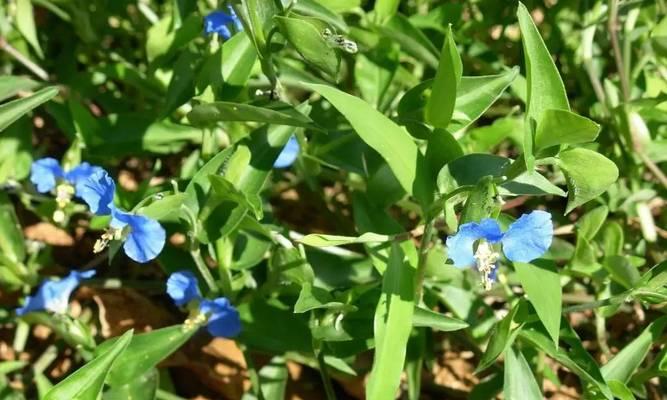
<point>440,105</point>
<point>393,318</point>
<point>307,39</point>
<point>541,282</point>
<point>436,321</point>
<point>86,383</point>
<point>519,379</point>
<point>558,127</point>
<point>13,110</point>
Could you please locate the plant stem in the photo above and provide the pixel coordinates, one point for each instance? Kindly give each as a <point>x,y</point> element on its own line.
<point>252,373</point>
<point>195,252</point>
<point>326,379</point>
<point>618,57</point>
<point>421,263</point>
<point>34,68</point>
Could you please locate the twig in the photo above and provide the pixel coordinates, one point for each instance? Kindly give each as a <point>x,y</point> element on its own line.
<point>618,57</point>
<point>34,68</point>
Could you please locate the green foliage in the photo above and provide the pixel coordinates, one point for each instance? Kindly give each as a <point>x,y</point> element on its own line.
<point>410,120</point>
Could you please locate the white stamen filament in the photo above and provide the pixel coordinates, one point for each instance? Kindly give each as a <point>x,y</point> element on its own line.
<point>486,262</point>
<point>64,194</point>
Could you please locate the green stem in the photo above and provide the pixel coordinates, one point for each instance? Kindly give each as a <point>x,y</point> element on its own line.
<point>195,252</point>
<point>421,263</point>
<point>224,248</point>
<point>252,374</point>
<point>326,379</point>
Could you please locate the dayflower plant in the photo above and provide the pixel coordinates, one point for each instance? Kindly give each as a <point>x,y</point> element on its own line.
<point>219,22</point>
<point>222,319</point>
<point>53,295</point>
<point>526,239</point>
<point>47,174</point>
<point>288,154</point>
<point>143,238</point>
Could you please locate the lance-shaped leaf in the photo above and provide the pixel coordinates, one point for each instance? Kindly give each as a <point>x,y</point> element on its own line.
<point>393,318</point>
<point>13,110</point>
<point>541,282</point>
<point>440,106</point>
<point>519,379</point>
<point>564,127</point>
<point>270,113</point>
<point>87,382</point>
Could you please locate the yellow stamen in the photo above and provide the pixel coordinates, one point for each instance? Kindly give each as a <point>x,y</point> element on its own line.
<point>194,322</point>
<point>109,235</point>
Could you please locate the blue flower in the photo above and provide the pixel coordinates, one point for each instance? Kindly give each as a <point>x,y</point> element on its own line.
<point>219,22</point>
<point>53,295</point>
<point>289,153</point>
<point>223,318</point>
<point>98,191</point>
<point>526,239</point>
<point>182,287</point>
<point>46,173</point>
<point>144,237</point>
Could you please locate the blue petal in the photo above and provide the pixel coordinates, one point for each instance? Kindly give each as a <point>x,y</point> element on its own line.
<point>289,153</point>
<point>97,191</point>
<point>224,319</point>
<point>182,287</point>
<point>53,295</point>
<point>79,174</point>
<point>528,237</point>
<point>44,173</point>
<point>146,238</point>
<point>460,246</point>
<point>217,21</point>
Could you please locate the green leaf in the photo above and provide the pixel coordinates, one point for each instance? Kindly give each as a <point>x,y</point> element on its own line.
<point>557,127</point>
<point>519,379</point>
<point>239,57</point>
<point>591,222</point>
<point>431,319</point>
<point>545,87</point>
<point>440,105</point>
<point>621,271</point>
<point>313,297</point>
<point>625,362</point>
<point>142,388</point>
<point>145,351</point>
<point>502,336</point>
<point>273,377</point>
<point>200,184</point>
<point>272,113</point>
<point>393,318</point>
<point>541,282</point>
<point>385,9</point>
<point>16,151</point>
<point>167,208</point>
<point>182,84</point>
<point>225,190</point>
<point>392,142</point>
<point>318,9</point>
<point>475,94</point>
<point>321,240</point>
<point>307,39</point>
<point>588,173</point>
<point>86,383</point>
<point>481,202</point>
<point>412,40</point>
<point>12,85</point>
<point>12,244</point>
<point>13,110</point>
<point>577,359</point>
<point>25,22</point>
<point>442,148</point>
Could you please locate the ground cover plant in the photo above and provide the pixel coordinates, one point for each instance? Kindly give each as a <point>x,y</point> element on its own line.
<point>333,199</point>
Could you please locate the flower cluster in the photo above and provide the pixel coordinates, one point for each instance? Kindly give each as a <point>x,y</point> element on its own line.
<point>143,237</point>
<point>222,318</point>
<point>48,175</point>
<point>525,240</point>
<point>219,22</point>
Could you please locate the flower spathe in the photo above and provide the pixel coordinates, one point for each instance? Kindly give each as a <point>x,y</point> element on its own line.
<point>53,295</point>
<point>182,287</point>
<point>143,237</point>
<point>288,154</point>
<point>223,318</point>
<point>219,22</point>
<point>526,239</point>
